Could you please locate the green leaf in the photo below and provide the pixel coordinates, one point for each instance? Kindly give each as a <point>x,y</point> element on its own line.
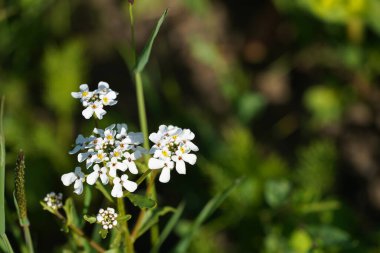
<point>276,192</point>
<point>103,233</point>
<point>4,243</point>
<point>144,57</point>
<point>169,227</point>
<point>152,217</point>
<point>71,213</point>
<point>211,206</point>
<point>90,219</point>
<point>141,201</point>
<point>124,217</point>
<point>325,235</point>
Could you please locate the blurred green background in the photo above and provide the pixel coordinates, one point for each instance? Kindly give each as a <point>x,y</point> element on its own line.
<point>283,93</point>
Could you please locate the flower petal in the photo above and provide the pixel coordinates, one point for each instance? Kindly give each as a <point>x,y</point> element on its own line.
<point>155,163</point>
<point>104,178</point>
<point>180,167</point>
<point>132,168</point>
<point>192,146</point>
<point>82,156</point>
<point>68,178</point>
<point>154,137</point>
<point>75,150</point>
<point>76,94</point>
<point>165,175</point>
<point>190,158</point>
<point>88,112</point>
<point>129,185</point>
<point>91,179</point>
<point>117,191</point>
<point>78,187</point>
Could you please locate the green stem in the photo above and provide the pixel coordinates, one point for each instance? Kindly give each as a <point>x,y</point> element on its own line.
<point>129,245</point>
<point>80,232</point>
<point>151,189</point>
<point>141,108</point>
<point>28,239</point>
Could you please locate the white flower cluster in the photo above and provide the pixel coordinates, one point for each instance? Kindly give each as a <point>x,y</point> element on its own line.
<point>54,200</point>
<point>107,218</point>
<point>106,152</point>
<point>172,147</point>
<point>94,101</point>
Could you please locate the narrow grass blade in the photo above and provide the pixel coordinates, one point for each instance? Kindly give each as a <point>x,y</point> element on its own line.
<point>152,218</point>
<point>169,227</point>
<point>2,169</point>
<point>4,239</point>
<point>209,209</point>
<point>144,57</point>
<point>5,245</point>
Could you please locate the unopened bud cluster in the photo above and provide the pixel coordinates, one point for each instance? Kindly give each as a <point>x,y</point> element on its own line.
<point>54,200</point>
<point>107,218</point>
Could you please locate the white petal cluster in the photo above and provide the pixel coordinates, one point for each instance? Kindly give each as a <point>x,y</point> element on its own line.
<point>107,218</point>
<point>107,154</point>
<point>94,101</point>
<point>53,200</point>
<point>172,147</point>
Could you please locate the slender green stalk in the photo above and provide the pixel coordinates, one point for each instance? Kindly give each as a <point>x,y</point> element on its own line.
<point>2,170</point>
<point>151,189</point>
<point>129,245</point>
<point>20,199</point>
<point>28,239</point>
<point>141,108</point>
<point>132,26</point>
<point>80,232</point>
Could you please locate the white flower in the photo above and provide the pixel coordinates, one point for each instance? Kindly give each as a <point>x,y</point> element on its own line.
<point>109,152</point>
<point>98,172</point>
<point>109,98</point>
<point>94,101</point>
<point>172,146</point>
<point>180,159</point>
<point>76,177</point>
<point>119,183</point>
<point>117,190</point>
<point>84,94</point>
<point>94,108</point>
<point>54,200</point>
<point>115,165</point>
<point>166,166</point>
<point>107,218</point>
<point>130,161</point>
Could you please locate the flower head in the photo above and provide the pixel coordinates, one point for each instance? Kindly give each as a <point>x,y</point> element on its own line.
<point>54,200</point>
<point>94,101</point>
<point>107,218</point>
<point>172,147</point>
<point>108,153</point>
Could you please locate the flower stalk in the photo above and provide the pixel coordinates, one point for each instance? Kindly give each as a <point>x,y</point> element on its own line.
<point>129,244</point>
<point>151,189</point>
<point>20,200</point>
<point>80,233</point>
